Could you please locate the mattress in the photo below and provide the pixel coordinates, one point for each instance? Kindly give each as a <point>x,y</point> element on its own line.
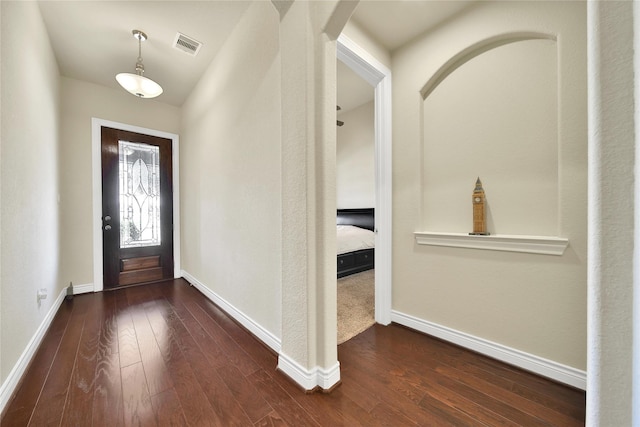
<point>351,238</point>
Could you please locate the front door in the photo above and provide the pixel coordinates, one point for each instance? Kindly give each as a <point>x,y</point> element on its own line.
<point>137,208</point>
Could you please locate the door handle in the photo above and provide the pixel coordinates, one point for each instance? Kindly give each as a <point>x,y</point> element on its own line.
<point>107,227</point>
<point>107,218</point>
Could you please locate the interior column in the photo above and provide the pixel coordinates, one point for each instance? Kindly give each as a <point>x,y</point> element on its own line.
<point>308,32</point>
<point>612,360</point>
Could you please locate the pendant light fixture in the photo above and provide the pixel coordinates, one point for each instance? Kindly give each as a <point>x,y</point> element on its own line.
<point>137,84</point>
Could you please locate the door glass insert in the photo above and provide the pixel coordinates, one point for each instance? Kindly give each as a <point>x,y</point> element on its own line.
<point>139,176</point>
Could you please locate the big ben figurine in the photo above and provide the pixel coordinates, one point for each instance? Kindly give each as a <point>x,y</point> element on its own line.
<point>479,212</point>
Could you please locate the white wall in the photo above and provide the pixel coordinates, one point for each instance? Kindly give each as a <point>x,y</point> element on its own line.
<point>532,303</point>
<point>230,172</point>
<point>29,232</point>
<point>80,102</point>
<point>355,158</point>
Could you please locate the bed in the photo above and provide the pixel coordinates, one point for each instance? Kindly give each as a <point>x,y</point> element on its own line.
<point>355,240</point>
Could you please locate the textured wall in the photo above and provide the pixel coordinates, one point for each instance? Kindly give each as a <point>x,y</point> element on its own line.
<point>30,231</point>
<point>614,311</point>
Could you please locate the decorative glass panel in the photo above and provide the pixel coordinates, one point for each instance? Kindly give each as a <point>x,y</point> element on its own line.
<point>139,194</point>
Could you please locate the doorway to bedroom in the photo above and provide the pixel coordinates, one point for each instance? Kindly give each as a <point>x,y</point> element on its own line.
<point>355,201</point>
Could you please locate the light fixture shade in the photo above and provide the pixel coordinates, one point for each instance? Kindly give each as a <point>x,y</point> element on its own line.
<point>139,85</point>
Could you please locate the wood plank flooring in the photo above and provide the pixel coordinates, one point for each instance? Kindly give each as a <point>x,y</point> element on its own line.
<point>163,355</point>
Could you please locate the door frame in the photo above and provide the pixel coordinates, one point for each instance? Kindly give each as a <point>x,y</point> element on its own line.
<point>378,76</point>
<point>96,164</point>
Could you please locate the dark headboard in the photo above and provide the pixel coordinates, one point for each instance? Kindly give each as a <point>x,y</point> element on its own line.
<point>363,218</point>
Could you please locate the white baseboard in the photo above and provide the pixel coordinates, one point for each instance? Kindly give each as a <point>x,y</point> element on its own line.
<point>9,385</point>
<point>547,368</point>
<point>256,329</point>
<point>83,289</point>
<point>309,379</point>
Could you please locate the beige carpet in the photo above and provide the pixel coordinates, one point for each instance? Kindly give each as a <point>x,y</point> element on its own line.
<point>355,304</point>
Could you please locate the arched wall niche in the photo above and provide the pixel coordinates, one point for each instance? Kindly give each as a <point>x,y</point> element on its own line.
<point>491,111</point>
<point>477,49</point>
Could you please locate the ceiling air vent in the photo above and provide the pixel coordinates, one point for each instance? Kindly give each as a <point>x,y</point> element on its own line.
<point>187,44</point>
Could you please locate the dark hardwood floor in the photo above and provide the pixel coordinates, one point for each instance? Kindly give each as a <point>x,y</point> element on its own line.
<point>162,355</point>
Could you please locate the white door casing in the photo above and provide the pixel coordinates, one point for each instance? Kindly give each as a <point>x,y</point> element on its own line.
<point>96,174</point>
<point>378,76</point>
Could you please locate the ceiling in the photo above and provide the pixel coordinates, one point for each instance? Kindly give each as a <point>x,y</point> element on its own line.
<point>92,40</point>
<point>393,23</point>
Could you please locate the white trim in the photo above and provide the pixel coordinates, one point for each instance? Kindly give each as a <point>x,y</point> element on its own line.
<point>547,368</point>
<point>309,379</point>
<point>175,168</point>
<point>96,162</point>
<point>255,328</point>
<point>499,242</point>
<point>379,76</point>
<point>83,289</point>
<point>361,61</point>
<point>11,382</point>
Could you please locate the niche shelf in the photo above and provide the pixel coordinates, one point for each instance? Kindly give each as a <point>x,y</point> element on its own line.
<point>499,242</point>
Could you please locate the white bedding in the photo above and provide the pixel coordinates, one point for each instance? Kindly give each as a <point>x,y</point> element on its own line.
<point>352,238</point>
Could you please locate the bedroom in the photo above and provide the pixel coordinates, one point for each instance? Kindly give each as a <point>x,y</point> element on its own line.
<point>355,201</point>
